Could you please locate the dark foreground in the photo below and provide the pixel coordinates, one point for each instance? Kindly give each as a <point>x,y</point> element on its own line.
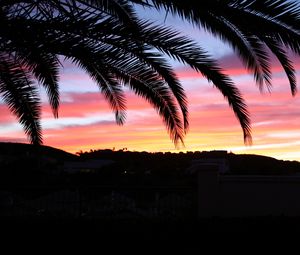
<point>149,229</point>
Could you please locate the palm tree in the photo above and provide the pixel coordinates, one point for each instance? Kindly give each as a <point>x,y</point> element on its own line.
<point>117,49</point>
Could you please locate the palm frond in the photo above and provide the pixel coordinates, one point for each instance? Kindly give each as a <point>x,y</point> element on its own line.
<point>278,19</point>
<point>128,42</point>
<point>107,84</point>
<point>125,49</point>
<point>114,46</point>
<point>264,61</point>
<point>120,9</point>
<point>33,55</point>
<point>45,68</point>
<point>144,82</point>
<point>286,63</point>
<point>241,43</point>
<point>286,12</point>
<point>186,51</point>
<point>160,98</point>
<point>268,26</point>
<point>19,93</point>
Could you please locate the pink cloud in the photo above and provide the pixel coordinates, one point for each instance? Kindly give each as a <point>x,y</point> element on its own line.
<point>233,65</point>
<point>6,116</point>
<point>213,124</point>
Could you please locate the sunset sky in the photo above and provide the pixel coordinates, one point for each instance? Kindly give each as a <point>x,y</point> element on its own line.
<point>86,121</point>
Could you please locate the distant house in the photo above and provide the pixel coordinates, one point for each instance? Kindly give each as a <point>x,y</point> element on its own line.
<point>220,164</point>
<point>85,166</point>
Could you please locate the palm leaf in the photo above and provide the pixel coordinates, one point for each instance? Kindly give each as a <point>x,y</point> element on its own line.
<point>186,51</point>
<point>45,69</point>
<point>19,93</point>
<point>286,63</point>
<point>107,84</point>
<point>93,52</point>
<point>278,19</point>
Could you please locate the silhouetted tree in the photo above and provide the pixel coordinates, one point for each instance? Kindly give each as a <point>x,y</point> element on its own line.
<point>114,46</point>
<point>116,49</point>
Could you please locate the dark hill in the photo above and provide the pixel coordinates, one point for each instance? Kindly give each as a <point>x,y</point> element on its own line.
<point>261,165</point>
<point>22,150</point>
<point>176,163</point>
<point>26,164</point>
<point>17,158</point>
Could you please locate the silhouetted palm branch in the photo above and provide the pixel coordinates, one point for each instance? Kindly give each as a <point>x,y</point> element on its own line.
<point>19,93</point>
<point>116,48</point>
<point>249,26</point>
<point>103,53</point>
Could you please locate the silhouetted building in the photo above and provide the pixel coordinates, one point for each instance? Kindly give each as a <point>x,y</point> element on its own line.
<point>85,166</point>
<point>220,164</point>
